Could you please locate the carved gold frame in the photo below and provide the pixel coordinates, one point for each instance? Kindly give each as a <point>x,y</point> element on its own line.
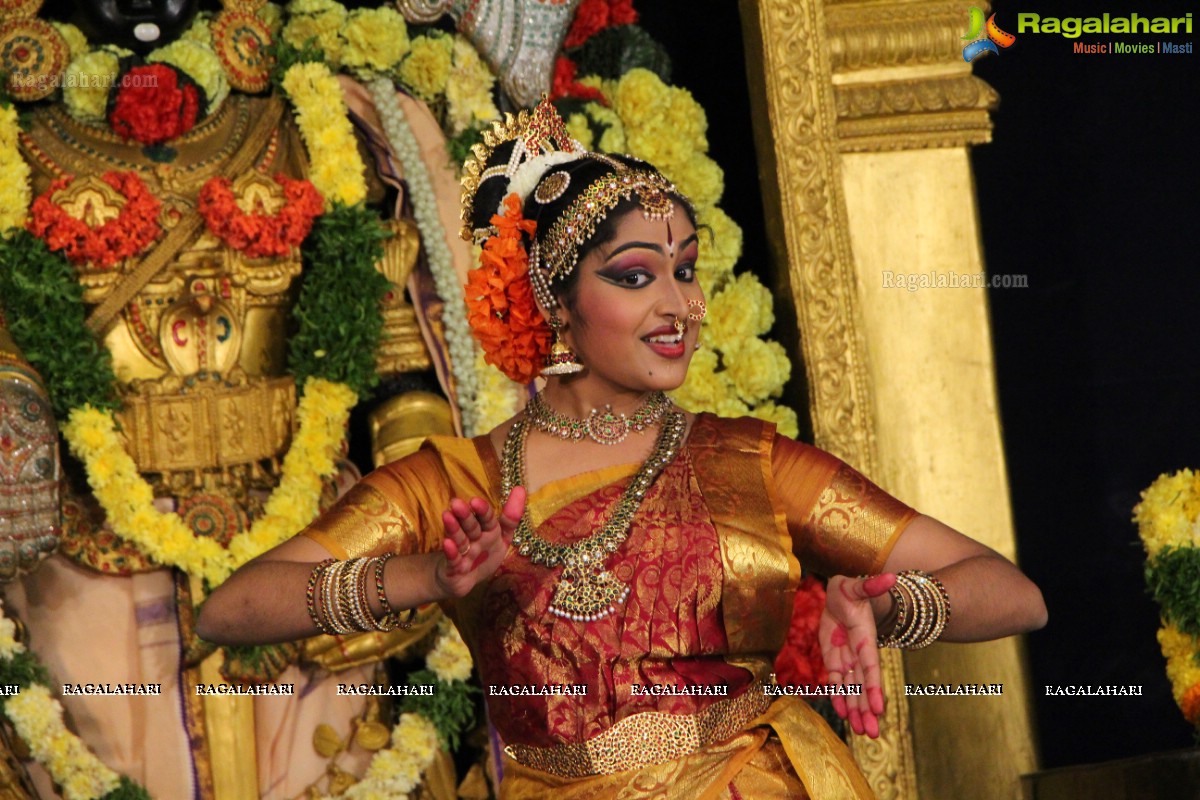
<point>841,91</point>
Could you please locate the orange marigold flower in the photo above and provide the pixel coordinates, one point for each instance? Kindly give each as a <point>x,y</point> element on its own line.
<point>133,230</point>
<point>1190,704</point>
<point>501,308</point>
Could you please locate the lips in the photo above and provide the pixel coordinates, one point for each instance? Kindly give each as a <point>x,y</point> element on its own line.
<point>666,341</point>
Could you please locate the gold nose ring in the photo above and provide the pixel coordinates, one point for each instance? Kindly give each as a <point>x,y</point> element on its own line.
<point>696,316</point>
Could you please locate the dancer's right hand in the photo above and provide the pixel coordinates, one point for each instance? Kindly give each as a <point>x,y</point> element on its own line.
<point>477,539</point>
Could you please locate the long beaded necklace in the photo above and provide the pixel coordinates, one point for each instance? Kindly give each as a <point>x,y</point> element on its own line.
<point>587,591</point>
<point>602,427</point>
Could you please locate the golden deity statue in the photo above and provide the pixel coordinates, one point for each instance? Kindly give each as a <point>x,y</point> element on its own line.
<point>197,324</point>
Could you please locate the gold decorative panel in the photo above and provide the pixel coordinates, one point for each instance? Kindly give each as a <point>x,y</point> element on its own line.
<point>863,112</point>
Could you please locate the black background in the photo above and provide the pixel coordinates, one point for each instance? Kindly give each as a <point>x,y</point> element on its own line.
<point>1090,189</point>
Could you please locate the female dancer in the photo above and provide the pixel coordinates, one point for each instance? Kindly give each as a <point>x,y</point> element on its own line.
<point>604,539</point>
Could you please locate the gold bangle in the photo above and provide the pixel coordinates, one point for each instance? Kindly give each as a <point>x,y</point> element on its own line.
<point>923,609</point>
<point>310,595</point>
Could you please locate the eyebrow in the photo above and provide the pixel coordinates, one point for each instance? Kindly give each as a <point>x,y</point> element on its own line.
<point>651,246</point>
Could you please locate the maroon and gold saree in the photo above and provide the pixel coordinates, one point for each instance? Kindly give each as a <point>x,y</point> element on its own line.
<point>673,704</point>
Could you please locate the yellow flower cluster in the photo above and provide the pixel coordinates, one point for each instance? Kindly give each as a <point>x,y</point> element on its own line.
<point>9,646</point>
<point>37,719</point>
<point>785,419</point>
<point>1169,513</point>
<point>495,395</point>
<point>374,39</point>
<point>1180,651</point>
<point>739,312</point>
<point>468,89</point>
<point>449,659</point>
<point>201,65</point>
<point>720,249</point>
<point>427,68</point>
<point>86,83</point>
<point>14,173</point>
<point>200,30</point>
<point>272,15</point>
<point>396,771</point>
<point>1168,516</point>
<point>759,369</point>
<point>613,138</point>
<point>77,43</point>
<point>579,130</point>
<point>667,127</point>
<point>128,501</point>
<point>319,21</point>
<point>337,168</point>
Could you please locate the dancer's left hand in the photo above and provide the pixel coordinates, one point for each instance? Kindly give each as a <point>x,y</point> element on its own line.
<point>848,645</point>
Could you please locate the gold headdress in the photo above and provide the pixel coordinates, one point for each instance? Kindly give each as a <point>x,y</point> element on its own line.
<point>502,312</point>
<point>542,142</point>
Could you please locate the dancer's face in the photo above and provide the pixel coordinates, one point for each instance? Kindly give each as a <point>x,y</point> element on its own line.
<point>630,292</point>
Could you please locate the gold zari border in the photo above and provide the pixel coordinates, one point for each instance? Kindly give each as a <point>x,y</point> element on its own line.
<point>641,740</point>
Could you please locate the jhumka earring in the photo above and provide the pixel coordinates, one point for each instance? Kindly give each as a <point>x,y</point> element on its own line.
<point>562,360</point>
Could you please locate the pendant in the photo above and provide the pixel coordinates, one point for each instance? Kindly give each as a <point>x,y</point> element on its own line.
<point>586,595</point>
<point>606,427</point>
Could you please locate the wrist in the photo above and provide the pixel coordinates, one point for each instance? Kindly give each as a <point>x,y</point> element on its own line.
<point>413,580</point>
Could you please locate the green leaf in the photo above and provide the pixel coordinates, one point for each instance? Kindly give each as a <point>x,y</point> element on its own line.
<point>337,315</point>
<point>450,708</point>
<point>1173,577</point>
<point>43,303</point>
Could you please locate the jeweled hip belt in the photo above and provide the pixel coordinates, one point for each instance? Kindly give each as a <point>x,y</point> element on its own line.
<point>651,737</point>
<point>209,425</point>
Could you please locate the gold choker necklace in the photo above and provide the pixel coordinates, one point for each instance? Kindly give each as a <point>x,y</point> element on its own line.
<point>587,591</point>
<point>602,427</point>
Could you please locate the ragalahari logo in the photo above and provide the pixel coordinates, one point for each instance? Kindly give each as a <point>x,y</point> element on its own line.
<point>984,38</point>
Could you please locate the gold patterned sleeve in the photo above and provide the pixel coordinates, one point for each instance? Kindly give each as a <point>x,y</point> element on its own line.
<point>840,522</point>
<point>397,508</point>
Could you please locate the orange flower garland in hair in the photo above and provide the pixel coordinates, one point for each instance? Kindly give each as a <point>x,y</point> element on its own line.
<point>501,308</point>
<point>261,235</point>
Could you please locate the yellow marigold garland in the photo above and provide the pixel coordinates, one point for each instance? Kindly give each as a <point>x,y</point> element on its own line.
<point>337,168</point>
<point>14,173</point>
<point>1168,519</point>
<point>38,719</point>
<point>128,500</point>
<point>396,771</point>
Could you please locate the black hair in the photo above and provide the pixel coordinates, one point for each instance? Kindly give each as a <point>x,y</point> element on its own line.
<point>583,173</point>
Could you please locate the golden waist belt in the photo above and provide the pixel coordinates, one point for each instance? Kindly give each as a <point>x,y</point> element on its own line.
<point>211,426</point>
<point>652,737</point>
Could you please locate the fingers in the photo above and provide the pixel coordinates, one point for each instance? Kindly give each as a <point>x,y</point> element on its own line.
<point>472,527</point>
<point>877,585</point>
<point>464,524</point>
<point>514,509</point>
<point>854,589</point>
<point>848,647</point>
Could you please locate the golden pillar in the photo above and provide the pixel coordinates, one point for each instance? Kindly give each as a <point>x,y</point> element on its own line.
<point>863,113</point>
